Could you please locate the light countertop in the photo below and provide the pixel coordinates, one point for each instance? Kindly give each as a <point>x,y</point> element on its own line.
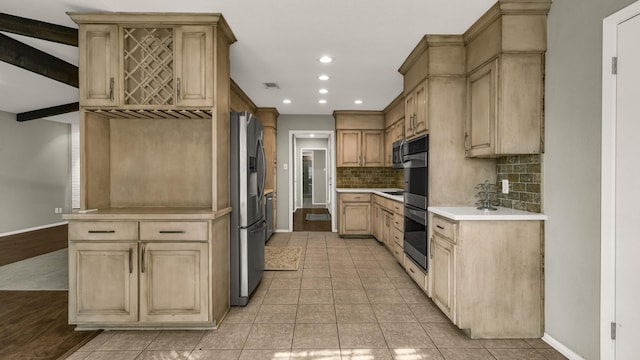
<point>472,213</point>
<point>377,191</point>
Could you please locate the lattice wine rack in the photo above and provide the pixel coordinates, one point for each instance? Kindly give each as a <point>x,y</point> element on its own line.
<point>148,64</point>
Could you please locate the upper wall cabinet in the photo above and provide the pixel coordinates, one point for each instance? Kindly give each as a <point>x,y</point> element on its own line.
<point>415,121</point>
<point>505,52</point>
<point>360,137</point>
<point>149,64</point>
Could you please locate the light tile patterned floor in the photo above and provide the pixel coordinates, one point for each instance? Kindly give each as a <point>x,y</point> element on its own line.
<point>349,300</point>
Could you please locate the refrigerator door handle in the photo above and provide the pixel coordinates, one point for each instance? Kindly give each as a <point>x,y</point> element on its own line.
<point>263,170</point>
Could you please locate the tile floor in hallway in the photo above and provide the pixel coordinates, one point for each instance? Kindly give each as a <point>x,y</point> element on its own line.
<point>348,300</point>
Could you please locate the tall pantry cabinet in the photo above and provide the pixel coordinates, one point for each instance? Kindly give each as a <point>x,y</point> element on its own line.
<point>149,246</point>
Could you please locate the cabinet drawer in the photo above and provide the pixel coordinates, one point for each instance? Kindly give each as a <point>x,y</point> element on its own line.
<point>398,208</point>
<point>416,273</point>
<point>377,199</point>
<point>397,252</point>
<point>445,228</point>
<point>174,230</point>
<point>355,197</point>
<point>398,237</point>
<point>398,221</point>
<point>103,230</point>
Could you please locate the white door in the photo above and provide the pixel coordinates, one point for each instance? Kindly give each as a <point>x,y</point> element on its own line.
<point>627,199</point>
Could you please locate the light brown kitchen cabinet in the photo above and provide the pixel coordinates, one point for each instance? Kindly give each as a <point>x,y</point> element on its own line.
<point>486,276</point>
<point>375,221</point>
<point>389,138</point>
<point>415,121</point>
<point>154,175</point>
<point>505,51</point>
<point>173,282</point>
<point>355,214</point>
<point>103,286</point>
<point>360,148</point>
<point>442,273</point>
<point>99,60</point>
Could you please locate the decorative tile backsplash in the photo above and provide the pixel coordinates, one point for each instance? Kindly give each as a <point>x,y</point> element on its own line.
<point>524,173</point>
<point>369,177</point>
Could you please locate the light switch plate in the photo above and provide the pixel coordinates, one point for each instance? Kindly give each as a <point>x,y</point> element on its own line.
<point>505,186</point>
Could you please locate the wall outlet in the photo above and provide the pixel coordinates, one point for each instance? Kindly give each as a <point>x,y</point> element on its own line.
<point>57,210</point>
<point>505,186</point>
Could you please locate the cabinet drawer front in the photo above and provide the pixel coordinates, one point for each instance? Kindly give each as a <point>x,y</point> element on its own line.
<point>398,222</point>
<point>398,237</point>
<point>416,273</point>
<point>445,228</point>
<point>398,208</point>
<point>377,199</point>
<point>174,230</point>
<point>358,197</point>
<point>103,230</point>
<point>397,252</point>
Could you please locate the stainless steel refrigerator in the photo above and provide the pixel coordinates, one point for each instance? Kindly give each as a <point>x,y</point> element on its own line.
<point>248,223</point>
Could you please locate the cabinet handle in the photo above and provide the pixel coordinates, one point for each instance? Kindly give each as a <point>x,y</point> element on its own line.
<point>439,227</point>
<point>172,231</point>
<point>431,248</point>
<point>130,260</point>
<point>413,272</point>
<point>466,141</point>
<point>101,231</point>
<point>111,83</point>
<point>142,259</point>
<point>178,88</point>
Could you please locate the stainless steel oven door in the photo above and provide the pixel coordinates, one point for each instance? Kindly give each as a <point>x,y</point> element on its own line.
<point>415,235</point>
<point>415,180</point>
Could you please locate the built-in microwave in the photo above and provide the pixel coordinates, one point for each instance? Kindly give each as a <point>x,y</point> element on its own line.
<point>397,154</point>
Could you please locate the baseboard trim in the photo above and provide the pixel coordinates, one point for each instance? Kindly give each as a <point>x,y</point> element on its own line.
<point>562,349</point>
<point>33,229</point>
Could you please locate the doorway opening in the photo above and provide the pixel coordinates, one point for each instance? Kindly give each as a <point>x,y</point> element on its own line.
<point>311,179</point>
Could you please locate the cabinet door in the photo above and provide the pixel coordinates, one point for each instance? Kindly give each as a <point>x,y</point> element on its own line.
<point>356,218</point>
<point>194,66</point>
<point>409,113</point>
<point>443,275</point>
<point>98,65</point>
<point>375,217</point>
<point>482,110</point>
<point>103,283</point>
<point>349,148</point>
<point>389,138</point>
<point>373,148</point>
<point>399,130</point>
<point>420,121</point>
<point>173,282</point>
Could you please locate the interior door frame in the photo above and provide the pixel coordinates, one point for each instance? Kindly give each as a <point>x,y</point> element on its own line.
<point>608,178</point>
<point>331,165</point>
<point>313,163</point>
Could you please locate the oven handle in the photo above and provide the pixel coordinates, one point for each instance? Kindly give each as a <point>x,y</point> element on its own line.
<point>415,160</point>
<point>419,216</point>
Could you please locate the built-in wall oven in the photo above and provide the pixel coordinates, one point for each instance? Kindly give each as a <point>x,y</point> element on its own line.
<point>415,162</point>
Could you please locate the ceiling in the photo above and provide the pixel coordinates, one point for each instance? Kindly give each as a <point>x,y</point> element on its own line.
<point>278,41</point>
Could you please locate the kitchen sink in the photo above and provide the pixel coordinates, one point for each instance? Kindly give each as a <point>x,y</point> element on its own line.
<point>394,192</point>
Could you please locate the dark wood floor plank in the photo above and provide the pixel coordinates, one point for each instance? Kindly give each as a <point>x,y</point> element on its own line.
<point>301,224</point>
<point>33,325</point>
<point>33,243</point>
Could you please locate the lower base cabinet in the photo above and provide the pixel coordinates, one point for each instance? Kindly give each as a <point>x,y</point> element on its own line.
<point>486,276</point>
<point>162,276</point>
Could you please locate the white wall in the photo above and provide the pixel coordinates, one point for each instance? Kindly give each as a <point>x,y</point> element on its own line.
<point>285,124</point>
<point>320,176</point>
<point>34,172</point>
<point>572,172</point>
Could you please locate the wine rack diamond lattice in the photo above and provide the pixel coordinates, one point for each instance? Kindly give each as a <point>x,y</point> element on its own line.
<point>148,66</point>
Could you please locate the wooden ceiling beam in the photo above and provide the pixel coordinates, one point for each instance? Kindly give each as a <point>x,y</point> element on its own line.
<point>38,29</point>
<point>46,112</point>
<point>19,54</point>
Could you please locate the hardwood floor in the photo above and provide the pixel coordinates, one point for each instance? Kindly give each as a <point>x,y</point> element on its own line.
<point>34,324</point>
<point>23,246</point>
<point>300,224</point>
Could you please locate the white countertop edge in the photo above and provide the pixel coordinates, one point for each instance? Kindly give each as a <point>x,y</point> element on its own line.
<point>377,191</point>
<point>471,213</point>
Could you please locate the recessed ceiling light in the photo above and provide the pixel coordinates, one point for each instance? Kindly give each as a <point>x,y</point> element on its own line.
<point>323,91</point>
<point>286,101</point>
<point>312,135</point>
<point>325,59</point>
<point>358,102</point>
<point>323,77</point>
<point>322,101</point>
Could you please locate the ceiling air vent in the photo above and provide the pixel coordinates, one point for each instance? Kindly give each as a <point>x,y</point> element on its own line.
<point>271,85</point>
